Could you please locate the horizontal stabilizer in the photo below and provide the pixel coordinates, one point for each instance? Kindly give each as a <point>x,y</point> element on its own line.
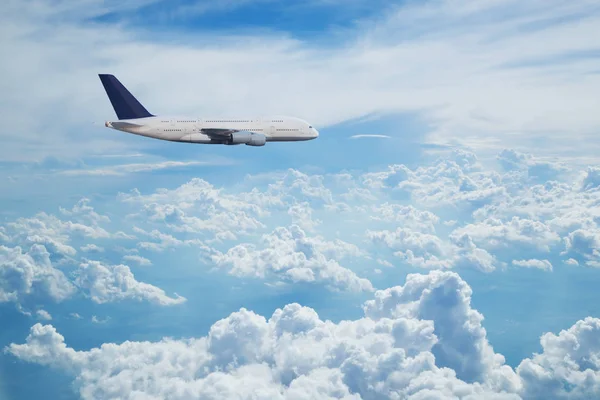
<point>125,105</point>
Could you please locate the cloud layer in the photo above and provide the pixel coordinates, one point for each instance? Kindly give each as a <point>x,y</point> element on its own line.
<point>342,231</point>
<point>39,273</point>
<point>419,340</point>
<point>450,214</point>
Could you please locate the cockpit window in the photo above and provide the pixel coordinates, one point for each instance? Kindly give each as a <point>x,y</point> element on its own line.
<point>310,127</point>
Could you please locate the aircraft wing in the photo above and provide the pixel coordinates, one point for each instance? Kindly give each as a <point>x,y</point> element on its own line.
<point>219,133</point>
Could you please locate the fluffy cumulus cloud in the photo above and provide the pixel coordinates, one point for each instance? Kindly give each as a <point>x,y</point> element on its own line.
<point>452,213</point>
<point>39,264</point>
<point>453,183</point>
<point>569,365</point>
<point>496,233</point>
<point>534,168</point>
<point>91,248</point>
<point>429,251</point>
<point>406,216</point>
<point>419,340</point>
<point>493,215</point>
<point>290,255</point>
<point>586,244</point>
<point>104,284</point>
<point>213,210</point>
<point>137,259</point>
<point>541,264</point>
<point>55,233</point>
<point>51,232</point>
<point>24,274</point>
<point>44,315</point>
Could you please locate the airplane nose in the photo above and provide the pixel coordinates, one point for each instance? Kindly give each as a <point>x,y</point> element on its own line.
<point>315,133</point>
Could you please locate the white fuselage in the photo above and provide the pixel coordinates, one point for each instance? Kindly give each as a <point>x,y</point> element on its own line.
<point>190,130</point>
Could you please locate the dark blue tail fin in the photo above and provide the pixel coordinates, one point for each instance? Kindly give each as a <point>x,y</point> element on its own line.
<point>126,106</point>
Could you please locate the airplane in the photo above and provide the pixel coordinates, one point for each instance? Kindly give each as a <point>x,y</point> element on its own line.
<point>134,118</point>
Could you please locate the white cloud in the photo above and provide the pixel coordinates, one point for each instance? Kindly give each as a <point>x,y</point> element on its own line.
<point>124,169</point>
<point>434,297</point>
<point>496,217</point>
<point>511,212</point>
<point>453,183</point>
<point>494,233</point>
<point>426,250</point>
<point>165,241</point>
<point>544,265</point>
<point>291,255</point>
<point>97,320</point>
<point>500,219</point>
<point>385,263</point>
<point>55,233</point>
<point>91,248</point>
<point>569,365</point>
<point>220,222</point>
<point>584,243</point>
<point>83,210</point>
<point>297,184</point>
<point>137,259</point>
<point>43,314</point>
<point>420,340</point>
<point>533,167</point>
<point>111,283</point>
<point>370,136</point>
<point>123,235</point>
<point>591,179</point>
<point>563,205</point>
<point>406,216</point>
<point>417,340</point>
<point>25,274</point>
<point>406,239</point>
<point>572,262</point>
<point>198,206</point>
<point>302,216</point>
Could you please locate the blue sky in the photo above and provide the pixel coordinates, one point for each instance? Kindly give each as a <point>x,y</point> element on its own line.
<point>300,20</point>
<point>444,225</point>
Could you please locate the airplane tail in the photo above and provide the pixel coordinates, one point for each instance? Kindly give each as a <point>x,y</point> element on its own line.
<point>125,105</point>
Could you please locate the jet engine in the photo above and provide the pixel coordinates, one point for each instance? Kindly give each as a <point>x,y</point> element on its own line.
<point>248,138</point>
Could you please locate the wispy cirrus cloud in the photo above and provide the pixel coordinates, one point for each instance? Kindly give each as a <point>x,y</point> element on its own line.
<point>488,95</point>
<point>124,169</point>
<point>370,136</point>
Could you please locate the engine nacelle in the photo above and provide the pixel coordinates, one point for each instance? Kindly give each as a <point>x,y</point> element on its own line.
<point>257,139</point>
<point>248,138</point>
